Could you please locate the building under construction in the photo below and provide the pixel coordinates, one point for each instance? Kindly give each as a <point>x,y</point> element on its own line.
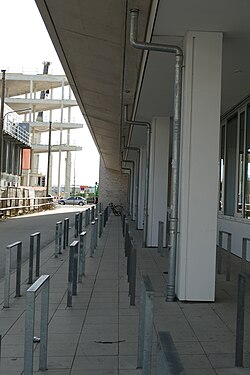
<point>37,119</point>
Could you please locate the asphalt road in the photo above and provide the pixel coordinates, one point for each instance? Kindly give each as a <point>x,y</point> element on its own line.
<point>20,228</point>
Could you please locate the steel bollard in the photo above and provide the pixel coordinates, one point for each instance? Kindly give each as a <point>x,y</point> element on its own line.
<point>100,224</point>
<point>219,259</point>
<point>132,274</point>
<point>96,231</point>
<point>18,245</point>
<point>41,284</point>
<point>66,233</point>
<point>244,254</point>
<point>71,270</point>
<point>168,360</point>
<point>80,222</point>
<point>145,334</point>
<point>242,278</point>
<point>160,237</point>
<point>75,269</point>
<point>92,240</point>
<point>58,239</point>
<point>82,256</point>
<point>76,224</point>
<point>36,235</point>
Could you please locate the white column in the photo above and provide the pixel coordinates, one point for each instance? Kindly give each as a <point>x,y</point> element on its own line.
<point>142,185</point>
<point>158,178</point>
<point>67,173</point>
<point>50,172</point>
<point>199,166</point>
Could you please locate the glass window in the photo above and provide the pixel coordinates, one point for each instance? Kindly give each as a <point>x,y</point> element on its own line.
<point>247,166</point>
<point>240,202</point>
<point>230,166</point>
<point>222,165</point>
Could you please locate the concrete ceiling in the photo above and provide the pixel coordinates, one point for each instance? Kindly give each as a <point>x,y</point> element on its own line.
<point>91,39</point>
<point>173,20</point>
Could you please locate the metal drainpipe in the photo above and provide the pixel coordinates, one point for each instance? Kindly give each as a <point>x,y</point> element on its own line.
<point>131,185</point>
<point>137,177</point>
<point>170,292</point>
<point>148,125</point>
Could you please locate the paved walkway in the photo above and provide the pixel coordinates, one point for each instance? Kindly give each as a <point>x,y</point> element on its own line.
<point>98,335</point>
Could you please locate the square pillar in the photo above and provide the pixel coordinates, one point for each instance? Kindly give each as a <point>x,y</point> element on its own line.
<point>196,257</point>
<point>158,178</point>
<point>142,187</point>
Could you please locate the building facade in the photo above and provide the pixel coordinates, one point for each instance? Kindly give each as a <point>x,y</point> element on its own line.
<point>154,79</point>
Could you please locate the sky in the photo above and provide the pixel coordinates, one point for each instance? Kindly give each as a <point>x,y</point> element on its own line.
<point>25,44</point>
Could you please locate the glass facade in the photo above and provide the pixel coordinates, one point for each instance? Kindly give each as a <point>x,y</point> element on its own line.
<point>234,184</point>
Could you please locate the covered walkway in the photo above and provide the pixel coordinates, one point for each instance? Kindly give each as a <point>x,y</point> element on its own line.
<point>98,335</point>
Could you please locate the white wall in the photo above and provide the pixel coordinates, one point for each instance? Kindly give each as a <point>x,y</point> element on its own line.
<point>199,166</point>
<point>158,178</point>
<point>239,228</point>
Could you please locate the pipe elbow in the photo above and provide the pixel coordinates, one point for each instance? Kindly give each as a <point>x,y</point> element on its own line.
<point>134,13</point>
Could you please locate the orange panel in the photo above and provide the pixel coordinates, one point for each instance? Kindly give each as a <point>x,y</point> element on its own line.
<point>26,159</point>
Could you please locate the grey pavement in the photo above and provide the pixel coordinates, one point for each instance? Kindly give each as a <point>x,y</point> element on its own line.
<point>98,335</point>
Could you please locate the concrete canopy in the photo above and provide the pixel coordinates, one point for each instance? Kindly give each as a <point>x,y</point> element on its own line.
<point>91,39</point>
<point>105,72</point>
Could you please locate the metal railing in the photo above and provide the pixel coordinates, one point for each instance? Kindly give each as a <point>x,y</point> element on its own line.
<point>34,236</point>
<point>17,131</point>
<point>15,206</point>
<point>41,285</point>
<point>145,333</point>
<point>18,246</point>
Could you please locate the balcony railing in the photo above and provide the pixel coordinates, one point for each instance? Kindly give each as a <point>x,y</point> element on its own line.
<point>17,132</point>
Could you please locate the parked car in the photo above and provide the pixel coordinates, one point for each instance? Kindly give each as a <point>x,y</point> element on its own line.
<point>80,201</point>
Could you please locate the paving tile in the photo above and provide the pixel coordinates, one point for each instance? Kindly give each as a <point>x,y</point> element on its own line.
<point>127,362</point>
<point>96,362</point>
<point>97,347</point>
<point>227,360</point>
<point>195,361</point>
